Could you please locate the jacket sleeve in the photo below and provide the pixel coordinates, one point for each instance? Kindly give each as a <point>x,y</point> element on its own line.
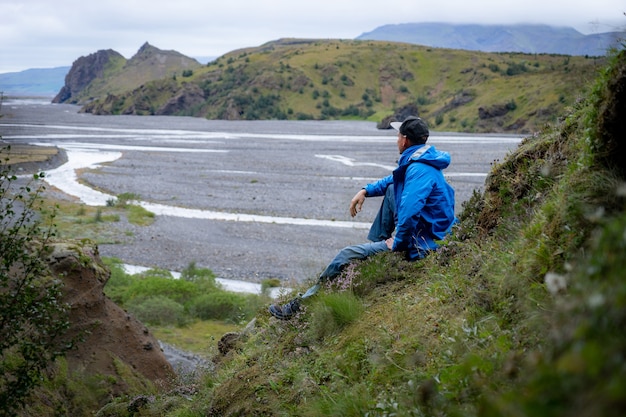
<point>418,184</point>
<point>378,188</point>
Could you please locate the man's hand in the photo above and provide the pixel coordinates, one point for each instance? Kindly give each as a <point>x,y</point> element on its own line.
<point>357,202</point>
<point>389,243</point>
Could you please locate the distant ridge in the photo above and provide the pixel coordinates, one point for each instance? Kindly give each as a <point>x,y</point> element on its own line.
<point>39,82</point>
<point>523,38</point>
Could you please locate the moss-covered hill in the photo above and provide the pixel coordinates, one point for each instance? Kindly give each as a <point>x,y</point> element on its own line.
<point>328,79</point>
<point>521,313</point>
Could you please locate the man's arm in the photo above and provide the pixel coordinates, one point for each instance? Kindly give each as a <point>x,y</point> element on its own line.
<point>356,204</point>
<point>374,189</point>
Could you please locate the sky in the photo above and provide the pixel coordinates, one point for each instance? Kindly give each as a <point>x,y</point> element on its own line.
<point>54,33</point>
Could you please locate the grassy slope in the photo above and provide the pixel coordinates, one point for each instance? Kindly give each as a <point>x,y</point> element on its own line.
<point>522,313</point>
<point>326,79</point>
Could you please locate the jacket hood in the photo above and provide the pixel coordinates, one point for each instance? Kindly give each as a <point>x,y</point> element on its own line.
<point>426,154</point>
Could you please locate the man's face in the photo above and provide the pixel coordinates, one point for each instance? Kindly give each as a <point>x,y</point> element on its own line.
<point>402,142</point>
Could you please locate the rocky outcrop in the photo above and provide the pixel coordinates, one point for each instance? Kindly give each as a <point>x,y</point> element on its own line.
<point>107,334</point>
<point>105,73</point>
<point>497,110</point>
<point>399,116</point>
<point>191,95</point>
<point>84,70</point>
<point>151,63</point>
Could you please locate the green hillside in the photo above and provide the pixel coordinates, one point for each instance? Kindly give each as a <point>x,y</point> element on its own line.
<point>520,313</point>
<point>341,79</point>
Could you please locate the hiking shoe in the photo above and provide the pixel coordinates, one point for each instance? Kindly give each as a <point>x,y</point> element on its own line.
<point>286,311</point>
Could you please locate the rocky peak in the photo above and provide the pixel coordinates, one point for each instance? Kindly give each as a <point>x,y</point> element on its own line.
<point>145,51</point>
<point>153,55</point>
<point>84,70</point>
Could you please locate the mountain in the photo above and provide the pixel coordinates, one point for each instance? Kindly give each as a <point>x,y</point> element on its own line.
<point>454,90</point>
<point>486,38</point>
<point>533,39</point>
<point>39,82</point>
<point>108,72</point>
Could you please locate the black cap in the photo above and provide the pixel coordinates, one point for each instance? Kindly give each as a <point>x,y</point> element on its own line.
<point>413,128</point>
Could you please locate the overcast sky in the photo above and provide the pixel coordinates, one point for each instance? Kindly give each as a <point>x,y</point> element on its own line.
<point>54,33</point>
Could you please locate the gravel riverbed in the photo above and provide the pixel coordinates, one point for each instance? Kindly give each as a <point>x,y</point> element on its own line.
<point>277,170</point>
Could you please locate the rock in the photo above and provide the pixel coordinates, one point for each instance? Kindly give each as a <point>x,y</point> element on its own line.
<point>497,110</point>
<point>108,333</point>
<point>229,340</point>
<point>189,96</point>
<point>400,115</point>
<point>84,70</point>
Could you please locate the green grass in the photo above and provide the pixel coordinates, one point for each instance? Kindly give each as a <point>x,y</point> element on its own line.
<point>466,330</point>
<point>78,221</point>
<point>324,79</point>
<point>199,337</point>
<point>520,313</point>
<point>139,215</point>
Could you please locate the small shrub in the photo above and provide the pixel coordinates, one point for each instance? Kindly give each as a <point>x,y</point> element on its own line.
<point>266,284</point>
<point>119,281</point>
<point>516,69</point>
<point>345,307</point>
<point>174,289</point>
<point>193,273</point>
<point>126,198</point>
<point>223,305</point>
<point>422,100</point>
<point>159,311</point>
<point>331,313</point>
<point>139,215</point>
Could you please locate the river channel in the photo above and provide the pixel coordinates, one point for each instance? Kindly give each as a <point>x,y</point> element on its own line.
<point>247,199</point>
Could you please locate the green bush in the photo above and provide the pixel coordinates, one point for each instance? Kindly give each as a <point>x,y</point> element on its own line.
<point>222,305</point>
<point>119,281</point>
<point>159,311</point>
<point>345,307</point>
<point>331,313</point>
<point>124,199</point>
<point>175,289</point>
<point>204,278</point>
<point>268,284</point>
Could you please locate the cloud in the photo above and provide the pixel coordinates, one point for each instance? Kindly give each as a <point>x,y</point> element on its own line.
<point>43,33</point>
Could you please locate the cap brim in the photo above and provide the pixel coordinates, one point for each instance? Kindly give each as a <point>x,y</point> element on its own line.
<point>396,125</point>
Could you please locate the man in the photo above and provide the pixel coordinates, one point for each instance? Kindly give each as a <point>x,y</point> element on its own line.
<point>418,205</point>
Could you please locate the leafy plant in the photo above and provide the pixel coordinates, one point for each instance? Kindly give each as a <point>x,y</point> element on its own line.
<point>150,286</point>
<point>159,310</point>
<point>223,305</point>
<point>33,317</point>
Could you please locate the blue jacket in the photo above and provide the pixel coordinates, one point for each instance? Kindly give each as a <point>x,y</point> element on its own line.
<point>424,200</point>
